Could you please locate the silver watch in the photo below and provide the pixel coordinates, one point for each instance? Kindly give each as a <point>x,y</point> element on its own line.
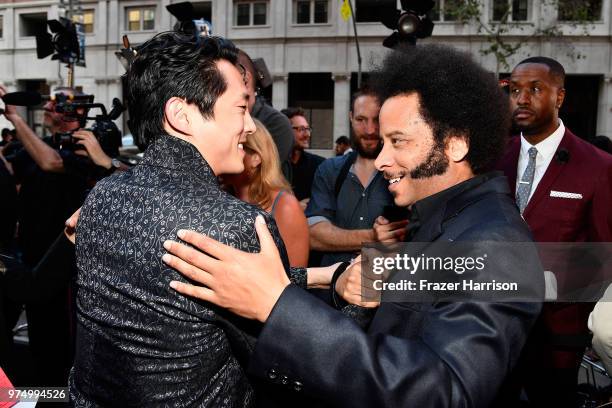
<point>115,164</point>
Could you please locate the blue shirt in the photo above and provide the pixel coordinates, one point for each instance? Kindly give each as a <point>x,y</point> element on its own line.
<point>356,206</point>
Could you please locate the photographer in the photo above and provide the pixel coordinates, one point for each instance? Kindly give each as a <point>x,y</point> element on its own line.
<point>55,178</point>
<point>45,156</point>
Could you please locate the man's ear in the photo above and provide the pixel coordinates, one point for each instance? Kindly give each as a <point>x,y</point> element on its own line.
<point>457,147</point>
<point>176,113</point>
<point>560,98</point>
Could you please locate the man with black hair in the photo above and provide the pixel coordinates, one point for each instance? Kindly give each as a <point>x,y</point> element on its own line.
<point>349,194</point>
<point>303,164</point>
<point>343,146</point>
<point>563,188</point>
<point>138,342</point>
<point>277,124</point>
<point>435,156</point>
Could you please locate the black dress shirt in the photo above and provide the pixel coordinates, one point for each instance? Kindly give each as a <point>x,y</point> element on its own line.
<point>435,354</point>
<point>139,343</point>
<point>425,209</point>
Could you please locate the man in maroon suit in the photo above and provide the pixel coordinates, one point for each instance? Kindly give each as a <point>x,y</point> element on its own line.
<point>563,189</point>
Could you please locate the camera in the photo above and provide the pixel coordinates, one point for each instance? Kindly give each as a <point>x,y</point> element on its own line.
<point>104,129</point>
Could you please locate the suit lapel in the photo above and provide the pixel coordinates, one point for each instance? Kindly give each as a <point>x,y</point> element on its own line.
<point>552,172</point>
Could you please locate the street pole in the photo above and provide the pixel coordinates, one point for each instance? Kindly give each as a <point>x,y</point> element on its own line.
<point>70,66</point>
<point>70,75</point>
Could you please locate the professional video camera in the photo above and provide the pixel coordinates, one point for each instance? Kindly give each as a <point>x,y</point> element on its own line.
<point>77,109</point>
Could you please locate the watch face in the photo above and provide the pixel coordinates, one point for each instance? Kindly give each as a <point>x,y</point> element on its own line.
<point>115,163</point>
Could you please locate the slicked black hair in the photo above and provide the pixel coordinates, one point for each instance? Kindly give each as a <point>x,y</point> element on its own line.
<point>174,64</point>
<point>555,69</point>
<point>457,97</point>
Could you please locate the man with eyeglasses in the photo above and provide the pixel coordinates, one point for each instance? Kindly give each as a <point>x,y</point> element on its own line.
<point>303,164</point>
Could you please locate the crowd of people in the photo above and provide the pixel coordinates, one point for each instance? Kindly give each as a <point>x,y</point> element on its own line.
<point>223,269</point>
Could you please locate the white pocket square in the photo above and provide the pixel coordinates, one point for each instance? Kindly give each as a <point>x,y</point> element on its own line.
<point>563,194</point>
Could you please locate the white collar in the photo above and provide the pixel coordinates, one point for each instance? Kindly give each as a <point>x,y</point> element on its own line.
<point>546,147</point>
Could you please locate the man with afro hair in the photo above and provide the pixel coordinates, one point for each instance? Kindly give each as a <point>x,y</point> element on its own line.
<point>444,120</point>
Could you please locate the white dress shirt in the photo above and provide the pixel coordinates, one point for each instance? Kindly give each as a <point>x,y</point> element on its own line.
<point>546,152</point>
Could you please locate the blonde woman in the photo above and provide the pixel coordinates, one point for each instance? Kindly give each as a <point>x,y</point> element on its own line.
<point>262,183</point>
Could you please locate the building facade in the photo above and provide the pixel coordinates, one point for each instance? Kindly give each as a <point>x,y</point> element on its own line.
<point>310,51</point>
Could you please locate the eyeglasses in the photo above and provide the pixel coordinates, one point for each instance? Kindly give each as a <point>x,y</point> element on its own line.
<point>302,129</point>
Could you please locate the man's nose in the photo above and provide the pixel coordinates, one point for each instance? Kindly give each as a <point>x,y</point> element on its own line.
<point>384,158</point>
<point>523,98</point>
<point>249,124</point>
<point>372,128</point>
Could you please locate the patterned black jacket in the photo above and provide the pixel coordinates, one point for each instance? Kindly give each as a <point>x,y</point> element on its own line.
<point>139,343</point>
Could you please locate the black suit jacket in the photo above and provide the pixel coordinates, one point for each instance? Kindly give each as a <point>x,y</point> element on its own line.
<point>413,354</point>
<point>140,343</point>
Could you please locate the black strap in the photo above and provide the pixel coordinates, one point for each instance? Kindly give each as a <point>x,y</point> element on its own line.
<point>338,302</point>
<point>344,172</point>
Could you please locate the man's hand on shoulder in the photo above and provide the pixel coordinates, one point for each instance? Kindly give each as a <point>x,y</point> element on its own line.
<point>248,284</point>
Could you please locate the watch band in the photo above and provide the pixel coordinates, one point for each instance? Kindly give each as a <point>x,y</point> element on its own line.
<point>339,303</point>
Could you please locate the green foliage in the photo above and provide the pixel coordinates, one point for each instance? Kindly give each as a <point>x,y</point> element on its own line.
<point>575,13</point>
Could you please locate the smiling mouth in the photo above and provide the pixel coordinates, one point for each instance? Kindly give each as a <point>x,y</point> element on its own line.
<point>395,180</point>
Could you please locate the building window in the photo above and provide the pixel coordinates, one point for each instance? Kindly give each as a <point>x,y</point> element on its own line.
<point>510,10</point>
<point>87,19</point>
<point>32,24</point>
<point>1,26</point>
<point>310,11</point>
<point>140,19</point>
<point>580,10</point>
<point>250,13</point>
<point>445,10</point>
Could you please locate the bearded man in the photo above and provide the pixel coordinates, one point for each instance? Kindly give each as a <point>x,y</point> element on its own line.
<point>348,193</point>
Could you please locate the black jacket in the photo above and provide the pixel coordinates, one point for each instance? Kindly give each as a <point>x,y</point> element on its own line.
<point>453,354</point>
<point>140,343</point>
